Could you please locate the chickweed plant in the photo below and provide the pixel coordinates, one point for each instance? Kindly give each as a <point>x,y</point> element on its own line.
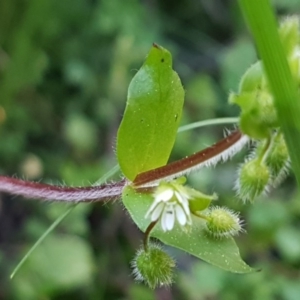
<point>154,192</point>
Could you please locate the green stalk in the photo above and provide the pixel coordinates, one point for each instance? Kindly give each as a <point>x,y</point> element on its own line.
<point>208,122</point>
<point>261,20</point>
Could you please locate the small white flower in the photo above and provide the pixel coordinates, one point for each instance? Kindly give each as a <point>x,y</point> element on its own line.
<point>171,203</point>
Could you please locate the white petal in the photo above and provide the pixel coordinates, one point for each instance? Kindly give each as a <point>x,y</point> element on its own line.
<point>157,212</point>
<point>165,196</point>
<point>181,198</point>
<point>153,205</point>
<point>189,219</point>
<point>168,218</point>
<point>184,202</point>
<point>180,215</point>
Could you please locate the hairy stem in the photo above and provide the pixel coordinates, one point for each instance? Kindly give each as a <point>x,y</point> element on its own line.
<point>36,190</point>
<point>147,235</point>
<point>220,151</point>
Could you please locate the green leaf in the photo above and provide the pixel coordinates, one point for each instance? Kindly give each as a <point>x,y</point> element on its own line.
<point>222,253</point>
<point>155,99</point>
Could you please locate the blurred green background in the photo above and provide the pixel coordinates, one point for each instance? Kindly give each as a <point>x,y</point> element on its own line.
<point>64,71</point>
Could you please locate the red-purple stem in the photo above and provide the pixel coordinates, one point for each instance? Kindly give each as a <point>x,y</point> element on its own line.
<point>34,190</point>
<point>111,191</point>
<point>183,165</point>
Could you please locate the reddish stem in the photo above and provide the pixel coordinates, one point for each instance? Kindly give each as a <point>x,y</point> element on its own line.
<point>211,155</point>
<point>36,190</point>
<point>147,235</point>
<point>220,150</point>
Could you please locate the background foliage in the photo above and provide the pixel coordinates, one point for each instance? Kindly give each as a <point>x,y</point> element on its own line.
<point>65,67</point>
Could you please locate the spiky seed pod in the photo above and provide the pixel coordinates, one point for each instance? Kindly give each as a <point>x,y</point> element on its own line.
<point>154,266</point>
<point>223,222</point>
<point>252,180</point>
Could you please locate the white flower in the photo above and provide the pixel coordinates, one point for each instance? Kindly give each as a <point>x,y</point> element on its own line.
<point>170,203</point>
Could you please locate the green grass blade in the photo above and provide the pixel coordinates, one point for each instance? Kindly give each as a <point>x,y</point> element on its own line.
<point>41,239</point>
<point>261,20</point>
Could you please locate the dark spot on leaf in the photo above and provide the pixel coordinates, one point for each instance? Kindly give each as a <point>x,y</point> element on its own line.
<point>162,60</point>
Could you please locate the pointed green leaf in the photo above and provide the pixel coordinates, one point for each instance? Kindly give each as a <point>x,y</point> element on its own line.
<point>198,200</point>
<point>147,132</point>
<point>222,253</point>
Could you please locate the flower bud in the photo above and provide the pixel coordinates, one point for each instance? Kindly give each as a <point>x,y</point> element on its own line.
<point>249,123</point>
<point>252,126</point>
<point>289,34</point>
<point>223,222</point>
<point>153,266</point>
<point>253,179</point>
<point>252,79</point>
<point>267,113</point>
<point>258,114</point>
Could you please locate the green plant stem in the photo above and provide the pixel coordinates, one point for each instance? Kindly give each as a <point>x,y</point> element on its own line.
<point>217,121</point>
<point>262,24</point>
<point>200,216</point>
<point>268,145</point>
